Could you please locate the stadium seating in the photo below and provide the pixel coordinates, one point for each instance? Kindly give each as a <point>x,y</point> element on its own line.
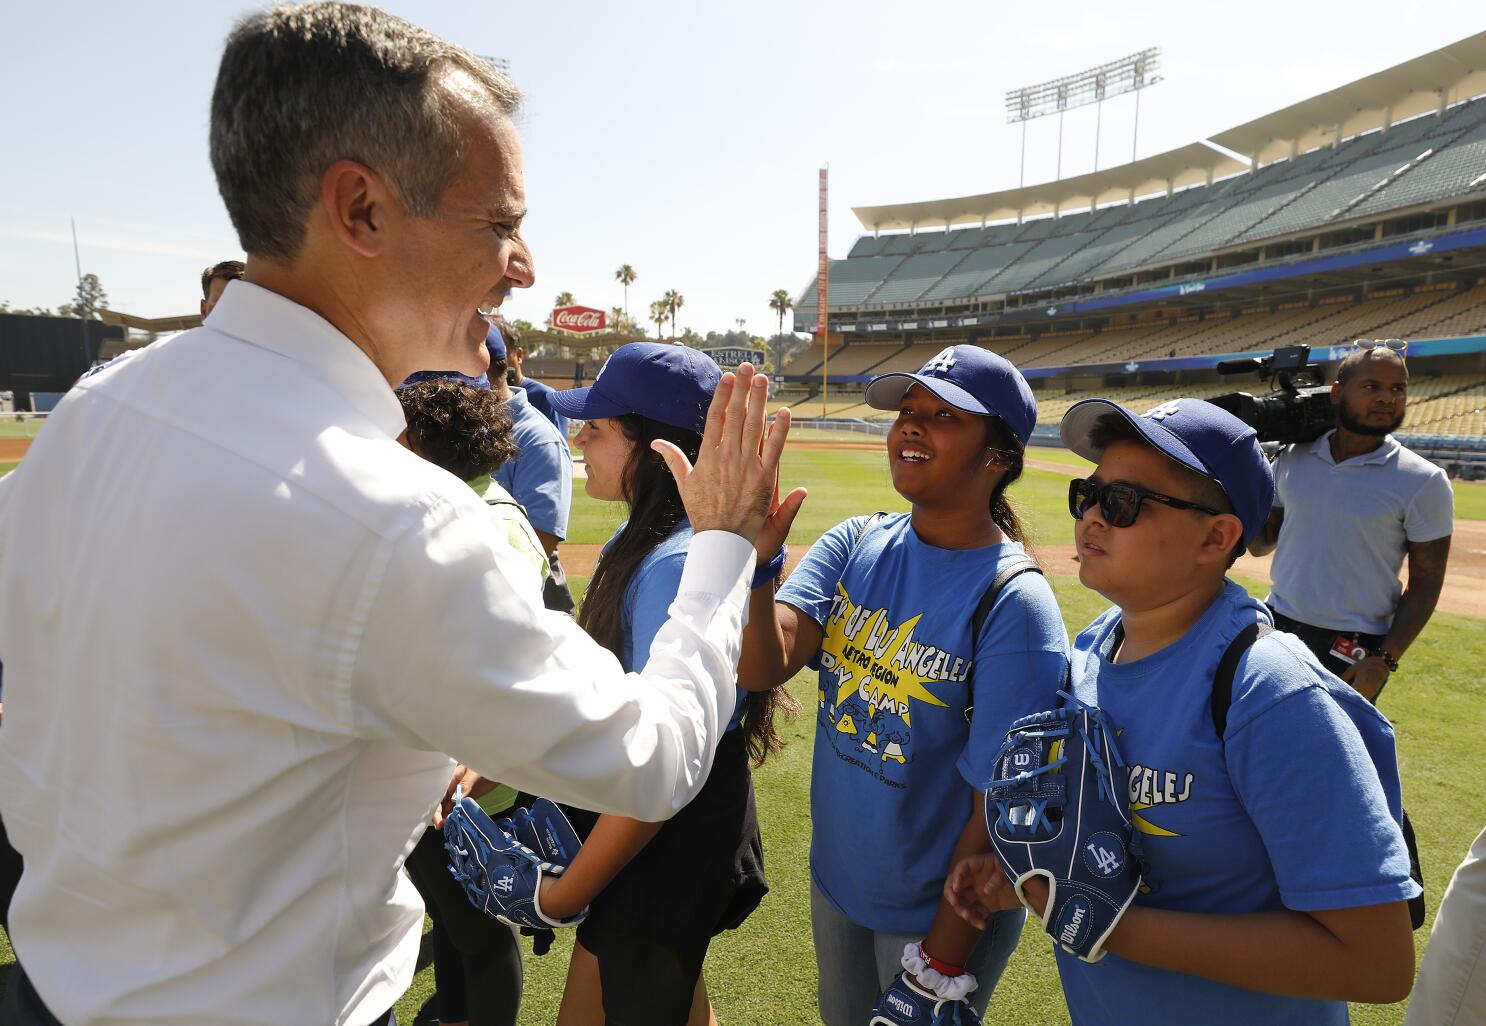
<point>1425,159</point>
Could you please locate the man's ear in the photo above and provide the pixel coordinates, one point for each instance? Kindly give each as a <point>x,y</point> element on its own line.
<point>1222,538</point>
<point>1336,393</point>
<point>357,203</point>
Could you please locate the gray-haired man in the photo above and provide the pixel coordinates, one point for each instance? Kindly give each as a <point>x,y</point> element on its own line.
<point>290,617</point>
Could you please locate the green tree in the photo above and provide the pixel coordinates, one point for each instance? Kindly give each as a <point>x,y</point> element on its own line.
<point>87,301</point>
<point>659,311</point>
<point>6,308</point>
<point>674,302</point>
<point>781,303</point>
<point>625,276</point>
<point>563,299</point>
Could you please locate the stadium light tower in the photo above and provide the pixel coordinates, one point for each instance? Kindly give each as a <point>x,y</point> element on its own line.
<point>1127,75</point>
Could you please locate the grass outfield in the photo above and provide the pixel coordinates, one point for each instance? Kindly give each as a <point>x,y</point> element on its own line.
<point>764,972</point>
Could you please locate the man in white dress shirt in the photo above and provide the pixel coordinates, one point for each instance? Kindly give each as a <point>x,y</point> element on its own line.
<point>241,624</point>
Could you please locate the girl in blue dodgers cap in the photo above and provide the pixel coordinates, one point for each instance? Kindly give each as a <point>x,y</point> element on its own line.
<point>658,893</point>
<point>900,615</point>
<point>1266,796</point>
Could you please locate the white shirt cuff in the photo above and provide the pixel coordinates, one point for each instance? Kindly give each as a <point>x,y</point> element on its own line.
<point>719,563</point>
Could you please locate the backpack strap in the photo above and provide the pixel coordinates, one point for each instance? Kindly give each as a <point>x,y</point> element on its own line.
<point>866,524</point>
<point>1016,568</point>
<point>1222,696</point>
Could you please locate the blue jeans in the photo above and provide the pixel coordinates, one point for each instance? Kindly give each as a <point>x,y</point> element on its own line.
<point>856,964</point>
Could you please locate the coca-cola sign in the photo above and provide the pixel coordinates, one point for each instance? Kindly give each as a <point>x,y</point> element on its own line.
<point>581,319</point>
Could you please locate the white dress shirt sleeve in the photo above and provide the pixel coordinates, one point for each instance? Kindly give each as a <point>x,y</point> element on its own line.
<point>459,656</point>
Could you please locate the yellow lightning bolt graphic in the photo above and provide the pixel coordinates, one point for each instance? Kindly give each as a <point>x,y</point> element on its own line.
<point>1144,825</point>
<point>887,681</point>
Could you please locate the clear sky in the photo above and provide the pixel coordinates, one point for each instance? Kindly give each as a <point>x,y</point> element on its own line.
<point>680,137</point>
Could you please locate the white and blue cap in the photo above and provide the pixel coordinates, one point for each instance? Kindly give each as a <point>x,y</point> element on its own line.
<point>495,345</point>
<point>668,383</point>
<point>1200,437</point>
<point>969,378</point>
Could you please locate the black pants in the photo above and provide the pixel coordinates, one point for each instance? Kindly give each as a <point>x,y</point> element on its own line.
<point>555,592</point>
<point>10,875</point>
<point>476,960</point>
<point>1319,640</point>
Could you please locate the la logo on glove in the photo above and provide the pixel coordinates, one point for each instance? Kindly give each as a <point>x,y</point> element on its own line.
<point>505,883</point>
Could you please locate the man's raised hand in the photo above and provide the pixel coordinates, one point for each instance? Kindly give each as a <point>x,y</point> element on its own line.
<point>732,484</point>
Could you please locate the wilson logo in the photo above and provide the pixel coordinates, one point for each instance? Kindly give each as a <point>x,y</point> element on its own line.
<point>902,1007</point>
<point>1074,921</point>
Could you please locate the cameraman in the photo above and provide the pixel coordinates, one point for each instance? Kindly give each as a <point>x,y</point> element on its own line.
<point>1358,501</point>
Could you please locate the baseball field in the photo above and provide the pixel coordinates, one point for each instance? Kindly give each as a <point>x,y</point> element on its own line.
<point>764,972</point>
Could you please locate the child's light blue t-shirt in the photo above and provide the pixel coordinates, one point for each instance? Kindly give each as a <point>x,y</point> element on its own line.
<point>896,750</point>
<point>1296,807</point>
<point>647,602</point>
<point>541,474</point>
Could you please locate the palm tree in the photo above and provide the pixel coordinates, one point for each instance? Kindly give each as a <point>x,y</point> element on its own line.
<point>563,299</point>
<point>780,302</point>
<point>659,311</point>
<point>618,320</point>
<point>674,302</point>
<point>625,276</point>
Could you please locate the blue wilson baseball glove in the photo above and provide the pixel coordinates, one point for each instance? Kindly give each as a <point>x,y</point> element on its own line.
<point>1060,809</point>
<point>544,828</point>
<point>500,875</point>
<point>906,1004</point>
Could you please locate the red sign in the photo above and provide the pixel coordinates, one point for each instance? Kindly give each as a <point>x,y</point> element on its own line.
<point>581,319</point>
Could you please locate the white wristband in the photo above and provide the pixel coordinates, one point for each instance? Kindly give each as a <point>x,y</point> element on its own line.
<point>946,988</point>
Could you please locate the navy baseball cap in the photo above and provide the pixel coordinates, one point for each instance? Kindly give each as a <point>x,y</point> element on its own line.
<point>494,344</point>
<point>1199,436</point>
<point>969,378</point>
<point>669,383</point>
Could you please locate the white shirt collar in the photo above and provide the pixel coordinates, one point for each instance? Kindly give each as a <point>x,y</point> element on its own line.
<point>270,321</point>
<point>1322,448</point>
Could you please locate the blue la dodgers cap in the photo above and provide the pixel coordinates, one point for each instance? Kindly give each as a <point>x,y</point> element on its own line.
<point>1199,436</point>
<point>969,378</point>
<point>495,345</point>
<point>669,383</point>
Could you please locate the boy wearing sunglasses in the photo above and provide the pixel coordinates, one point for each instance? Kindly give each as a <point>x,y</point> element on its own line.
<point>1276,868</point>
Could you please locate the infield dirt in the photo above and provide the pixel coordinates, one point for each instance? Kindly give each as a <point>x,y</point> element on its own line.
<point>1465,583</point>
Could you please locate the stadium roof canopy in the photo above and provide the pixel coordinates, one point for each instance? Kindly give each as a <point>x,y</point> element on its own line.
<point>1432,82</point>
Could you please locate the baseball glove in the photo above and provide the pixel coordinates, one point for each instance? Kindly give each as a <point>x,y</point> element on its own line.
<point>500,874</point>
<point>1059,809</point>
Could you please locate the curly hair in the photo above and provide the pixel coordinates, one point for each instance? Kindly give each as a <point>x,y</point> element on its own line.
<point>458,427</point>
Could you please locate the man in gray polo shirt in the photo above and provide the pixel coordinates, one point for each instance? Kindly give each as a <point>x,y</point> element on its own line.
<point>1348,508</point>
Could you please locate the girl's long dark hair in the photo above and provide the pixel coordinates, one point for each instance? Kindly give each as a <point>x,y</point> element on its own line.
<point>655,509</point>
<point>999,437</point>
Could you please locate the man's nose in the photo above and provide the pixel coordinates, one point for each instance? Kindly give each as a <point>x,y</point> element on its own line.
<point>521,272</point>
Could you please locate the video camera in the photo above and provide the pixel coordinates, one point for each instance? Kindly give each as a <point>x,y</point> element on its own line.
<point>1298,408</point>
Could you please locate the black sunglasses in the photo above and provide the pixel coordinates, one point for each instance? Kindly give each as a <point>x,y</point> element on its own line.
<point>1120,503</point>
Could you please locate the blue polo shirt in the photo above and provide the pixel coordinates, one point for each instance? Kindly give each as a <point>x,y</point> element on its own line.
<point>541,475</point>
<point>540,398</point>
